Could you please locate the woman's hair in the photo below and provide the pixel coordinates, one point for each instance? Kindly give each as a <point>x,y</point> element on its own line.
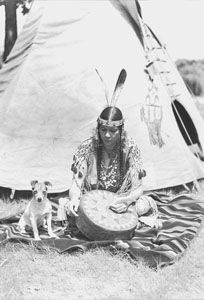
<point>111,113</point>
<point>110,116</point>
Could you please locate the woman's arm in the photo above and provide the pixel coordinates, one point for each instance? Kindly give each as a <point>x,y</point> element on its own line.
<point>132,196</point>
<point>131,188</point>
<point>123,202</point>
<point>79,169</point>
<point>76,187</point>
<point>74,195</point>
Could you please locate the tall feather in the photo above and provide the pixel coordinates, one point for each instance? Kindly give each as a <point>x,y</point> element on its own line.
<point>104,86</point>
<point>118,87</point>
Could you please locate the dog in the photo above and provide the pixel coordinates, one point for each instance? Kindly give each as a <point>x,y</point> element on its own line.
<point>38,212</point>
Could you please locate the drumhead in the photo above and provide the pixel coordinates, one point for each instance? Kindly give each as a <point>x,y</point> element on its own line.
<point>96,216</point>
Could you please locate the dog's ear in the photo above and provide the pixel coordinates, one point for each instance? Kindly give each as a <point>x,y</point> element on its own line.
<point>47,184</point>
<point>33,183</point>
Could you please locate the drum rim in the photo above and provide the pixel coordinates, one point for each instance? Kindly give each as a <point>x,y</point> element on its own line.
<point>82,214</point>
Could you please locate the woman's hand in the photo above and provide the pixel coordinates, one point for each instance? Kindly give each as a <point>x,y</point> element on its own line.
<point>119,207</point>
<point>73,206</point>
<point>121,204</point>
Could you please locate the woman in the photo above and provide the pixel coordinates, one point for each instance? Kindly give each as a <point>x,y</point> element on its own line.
<point>111,161</point>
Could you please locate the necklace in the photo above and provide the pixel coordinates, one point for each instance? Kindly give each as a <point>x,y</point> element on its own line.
<point>106,167</point>
<point>109,175</point>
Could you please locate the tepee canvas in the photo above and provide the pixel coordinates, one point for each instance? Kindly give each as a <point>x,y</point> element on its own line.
<point>51,94</point>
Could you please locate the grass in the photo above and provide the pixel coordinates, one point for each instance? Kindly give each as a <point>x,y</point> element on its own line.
<point>97,274</point>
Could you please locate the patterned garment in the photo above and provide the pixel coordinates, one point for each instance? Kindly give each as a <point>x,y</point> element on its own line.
<point>89,173</point>
<point>84,168</point>
<point>181,216</point>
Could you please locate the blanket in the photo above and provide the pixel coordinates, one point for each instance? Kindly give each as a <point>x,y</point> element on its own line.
<point>181,216</point>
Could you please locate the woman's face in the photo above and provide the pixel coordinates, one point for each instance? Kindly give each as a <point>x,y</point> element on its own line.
<point>109,135</point>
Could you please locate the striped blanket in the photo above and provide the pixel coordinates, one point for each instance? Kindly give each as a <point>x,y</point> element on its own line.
<point>181,216</point>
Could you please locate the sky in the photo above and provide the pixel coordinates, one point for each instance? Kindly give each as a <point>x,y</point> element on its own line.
<point>177,23</point>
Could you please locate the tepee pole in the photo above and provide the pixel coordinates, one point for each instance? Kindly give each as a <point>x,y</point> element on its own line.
<point>151,58</point>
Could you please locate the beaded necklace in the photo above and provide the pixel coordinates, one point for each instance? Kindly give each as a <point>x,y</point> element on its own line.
<point>110,177</point>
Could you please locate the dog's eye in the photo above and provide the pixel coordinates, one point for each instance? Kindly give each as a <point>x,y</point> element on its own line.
<point>44,193</point>
<point>35,192</point>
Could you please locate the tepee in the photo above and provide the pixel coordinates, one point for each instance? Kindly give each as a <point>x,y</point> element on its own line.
<point>51,94</point>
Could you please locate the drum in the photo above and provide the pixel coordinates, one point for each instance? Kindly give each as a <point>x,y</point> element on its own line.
<point>98,222</point>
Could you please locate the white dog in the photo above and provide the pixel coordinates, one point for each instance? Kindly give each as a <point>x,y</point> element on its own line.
<point>38,211</point>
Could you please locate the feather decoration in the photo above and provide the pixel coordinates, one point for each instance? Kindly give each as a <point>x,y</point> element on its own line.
<point>118,87</point>
<point>105,89</point>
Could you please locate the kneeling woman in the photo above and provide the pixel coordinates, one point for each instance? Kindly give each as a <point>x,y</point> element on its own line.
<point>111,161</point>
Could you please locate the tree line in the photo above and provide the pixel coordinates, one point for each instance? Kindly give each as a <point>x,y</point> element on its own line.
<point>192,72</point>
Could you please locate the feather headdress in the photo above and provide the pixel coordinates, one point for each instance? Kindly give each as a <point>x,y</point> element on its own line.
<point>113,101</point>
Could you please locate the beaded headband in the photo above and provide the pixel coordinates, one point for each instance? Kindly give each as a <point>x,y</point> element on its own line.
<point>110,123</point>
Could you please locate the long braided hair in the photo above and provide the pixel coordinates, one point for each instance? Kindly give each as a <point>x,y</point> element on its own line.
<point>112,115</point>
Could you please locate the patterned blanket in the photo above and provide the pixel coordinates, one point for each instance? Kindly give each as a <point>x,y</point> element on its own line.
<point>181,216</point>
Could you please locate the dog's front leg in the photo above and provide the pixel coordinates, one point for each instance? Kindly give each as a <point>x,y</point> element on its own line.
<point>35,228</point>
<point>49,226</point>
